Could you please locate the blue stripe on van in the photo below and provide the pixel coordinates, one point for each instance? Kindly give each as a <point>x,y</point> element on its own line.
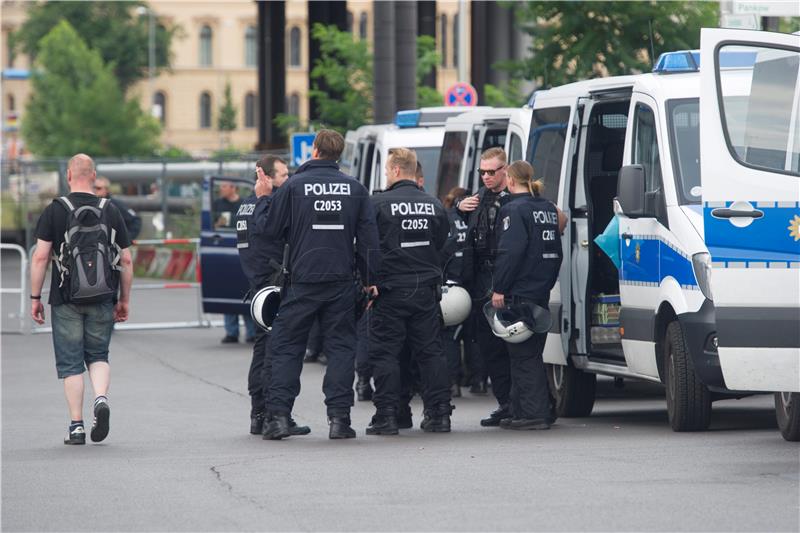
<point>656,260</point>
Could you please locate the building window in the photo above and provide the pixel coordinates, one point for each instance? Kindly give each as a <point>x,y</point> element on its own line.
<point>443,39</point>
<point>294,105</point>
<point>206,36</point>
<point>250,110</point>
<point>455,40</point>
<point>12,103</point>
<point>160,107</point>
<point>205,110</point>
<point>250,48</point>
<point>294,47</point>
<point>362,26</point>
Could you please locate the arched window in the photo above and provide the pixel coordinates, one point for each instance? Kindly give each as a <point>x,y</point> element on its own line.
<point>455,40</point>
<point>12,103</point>
<point>250,48</point>
<point>160,107</point>
<point>443,39</point>
<point>205,110</point>
<point>250,110</point>
<point>362,25</point>
<point>206,37</point>
<point>294,47</point>
<point>294,104</point>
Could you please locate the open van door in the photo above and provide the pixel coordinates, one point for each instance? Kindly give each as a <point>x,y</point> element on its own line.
<point>223,284</point>
<point>750,168</point>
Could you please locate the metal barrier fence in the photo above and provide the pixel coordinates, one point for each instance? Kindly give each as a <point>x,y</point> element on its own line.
<point>23,279</point>
<point>26,323</point>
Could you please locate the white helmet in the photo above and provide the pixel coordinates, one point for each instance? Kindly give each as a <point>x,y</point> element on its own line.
<point>517,324</point>
<point>264,306</point>
<point>455,304</point>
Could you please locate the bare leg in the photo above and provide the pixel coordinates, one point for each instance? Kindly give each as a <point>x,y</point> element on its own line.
<point>100,375</point>
<point>73,390</point>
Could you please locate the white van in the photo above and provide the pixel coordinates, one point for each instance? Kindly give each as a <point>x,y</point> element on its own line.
<point>655,317</point>
<point>359,149</point>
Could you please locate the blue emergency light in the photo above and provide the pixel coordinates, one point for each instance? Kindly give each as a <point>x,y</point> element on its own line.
<point>689,61</point>
<point>407,119</point>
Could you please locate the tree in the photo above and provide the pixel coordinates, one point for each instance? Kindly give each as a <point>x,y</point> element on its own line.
<point>579,40</point>
<point>427,59</point>
<point>226,120</point>
<point>78,106</point>
<point>112,28</point>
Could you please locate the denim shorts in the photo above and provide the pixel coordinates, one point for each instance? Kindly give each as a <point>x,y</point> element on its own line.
<point>81,334</point>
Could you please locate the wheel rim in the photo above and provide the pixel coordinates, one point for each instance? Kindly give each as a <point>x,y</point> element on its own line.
<point>786,402</point>
<point>558,377</point>
<point>670,375</point>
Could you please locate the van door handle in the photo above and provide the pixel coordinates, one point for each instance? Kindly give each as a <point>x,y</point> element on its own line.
<point>627,236</point>
<point>724,212</point>
<point>584,243</point>
<point>216,238</point>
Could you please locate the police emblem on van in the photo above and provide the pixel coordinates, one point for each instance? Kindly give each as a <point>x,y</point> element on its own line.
<point>638,252</point>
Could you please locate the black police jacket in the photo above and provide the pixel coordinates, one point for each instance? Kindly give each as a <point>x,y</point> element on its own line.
<point>260,256</point>
<point>529,248</point>
<point>454,248</point>
<point>413,228</point>
<point>483,240</point>
<point>133,222</point>
<point>328,221</point>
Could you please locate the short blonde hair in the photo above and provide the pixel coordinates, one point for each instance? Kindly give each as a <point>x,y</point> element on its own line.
<point>405,159</point>
<point>522,173</point>
<point>495,152</point>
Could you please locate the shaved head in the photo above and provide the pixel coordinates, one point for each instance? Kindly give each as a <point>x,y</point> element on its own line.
<point>81,167</point>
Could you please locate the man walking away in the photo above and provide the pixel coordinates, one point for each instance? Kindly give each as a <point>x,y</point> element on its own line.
<point>86,238</point>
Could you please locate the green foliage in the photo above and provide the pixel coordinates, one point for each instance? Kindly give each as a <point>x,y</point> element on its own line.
<point>427,59</point>
<point>113,28</point>
<point>579,40</point>
<point>227,153</point>
<point>173,152</point>
<point>226,120</point>
<point>504,95</point>
<point>78,106</point>
<point>342,79</point>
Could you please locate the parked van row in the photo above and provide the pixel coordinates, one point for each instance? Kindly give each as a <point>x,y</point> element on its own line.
<point>703,292</point>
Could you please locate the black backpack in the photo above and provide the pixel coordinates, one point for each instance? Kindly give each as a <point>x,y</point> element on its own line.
<point>88,260</point>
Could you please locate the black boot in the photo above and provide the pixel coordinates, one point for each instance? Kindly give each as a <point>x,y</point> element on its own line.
<point>493,420</point>
<point>340,428</point>
<point>256,423</point>
<point>479,387</point>
<point>455,390</point>
<point>404,418</point>
<point>277,428</point>
<point>294,429</point>
<point>364,389</point>
<point>383,425</point>
<point>437,419</point>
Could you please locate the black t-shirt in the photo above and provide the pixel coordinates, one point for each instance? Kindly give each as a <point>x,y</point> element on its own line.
<point>224,212</point>
<point>53,224</point>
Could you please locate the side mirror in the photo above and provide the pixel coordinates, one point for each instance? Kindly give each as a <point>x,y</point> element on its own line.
<point>631,191</point>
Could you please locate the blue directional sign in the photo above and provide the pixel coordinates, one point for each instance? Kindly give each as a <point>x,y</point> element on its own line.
<point>301,147</point>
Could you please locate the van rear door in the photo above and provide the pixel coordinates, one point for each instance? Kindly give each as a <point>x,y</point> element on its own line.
<point>223,284</point>
<point>750,169</point>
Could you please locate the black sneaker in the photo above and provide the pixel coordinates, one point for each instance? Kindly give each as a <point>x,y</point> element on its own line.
<point>229,339</point>
<point>493,420</point>
<point>76,436</point>
<point>383,425</point>
<point>102,413</point>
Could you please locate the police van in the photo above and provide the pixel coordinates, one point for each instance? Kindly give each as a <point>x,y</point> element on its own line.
<point>704,295</point>
<point>359,150</point>
<point>469,134</point>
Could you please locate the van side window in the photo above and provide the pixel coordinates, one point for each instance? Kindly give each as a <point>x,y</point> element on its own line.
<point>453,147</point>
<point>546,147</point>
<point>515,148</point>
<point>764,133</point>
<point>645,147</point>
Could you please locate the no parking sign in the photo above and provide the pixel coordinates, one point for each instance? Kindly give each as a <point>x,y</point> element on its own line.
<point>461,94</point>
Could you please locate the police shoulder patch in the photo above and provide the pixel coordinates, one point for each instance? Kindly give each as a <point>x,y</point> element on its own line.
<point>506,223</point>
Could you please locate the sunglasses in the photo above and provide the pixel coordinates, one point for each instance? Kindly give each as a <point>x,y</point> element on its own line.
<point>491,172</point>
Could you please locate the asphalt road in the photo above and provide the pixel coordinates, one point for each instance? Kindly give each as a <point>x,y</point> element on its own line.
<point>179,457</point>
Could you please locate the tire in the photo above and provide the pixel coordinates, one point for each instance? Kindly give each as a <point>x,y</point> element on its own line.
<point>787,411</point>
<point>688,399</point>
<point>572,389</point>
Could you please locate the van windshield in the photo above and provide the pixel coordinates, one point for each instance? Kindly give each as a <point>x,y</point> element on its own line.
<point>683,120</point>
<point>452,154</point>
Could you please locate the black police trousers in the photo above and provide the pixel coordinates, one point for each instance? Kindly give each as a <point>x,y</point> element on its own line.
<point>401,316</point>
<point>492,349</point>
<point>530,395</point>
<point>452,350</point>
<point>260,372</point>
<point>333,304</point>
<point>363,368</point>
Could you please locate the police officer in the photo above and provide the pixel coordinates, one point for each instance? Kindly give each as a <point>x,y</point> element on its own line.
<point>261,263</point>
<point>480,211</point>
<point>526,268</point>
<point>454,272</point>
<point>133,222</point>
<point>413,228</point>
<point>328,222</point>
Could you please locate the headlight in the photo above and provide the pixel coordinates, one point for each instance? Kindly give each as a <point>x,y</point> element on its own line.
<point>702,272</point>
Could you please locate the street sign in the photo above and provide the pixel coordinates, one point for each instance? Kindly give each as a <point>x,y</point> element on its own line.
<point>762,8</point>
<point>461,94</point>
<point>301,147</point>
<point>740,22</point>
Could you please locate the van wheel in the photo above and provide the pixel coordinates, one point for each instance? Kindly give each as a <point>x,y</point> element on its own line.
<point>688,399</point>
<point>787,411</point>
<point>572,389</point>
